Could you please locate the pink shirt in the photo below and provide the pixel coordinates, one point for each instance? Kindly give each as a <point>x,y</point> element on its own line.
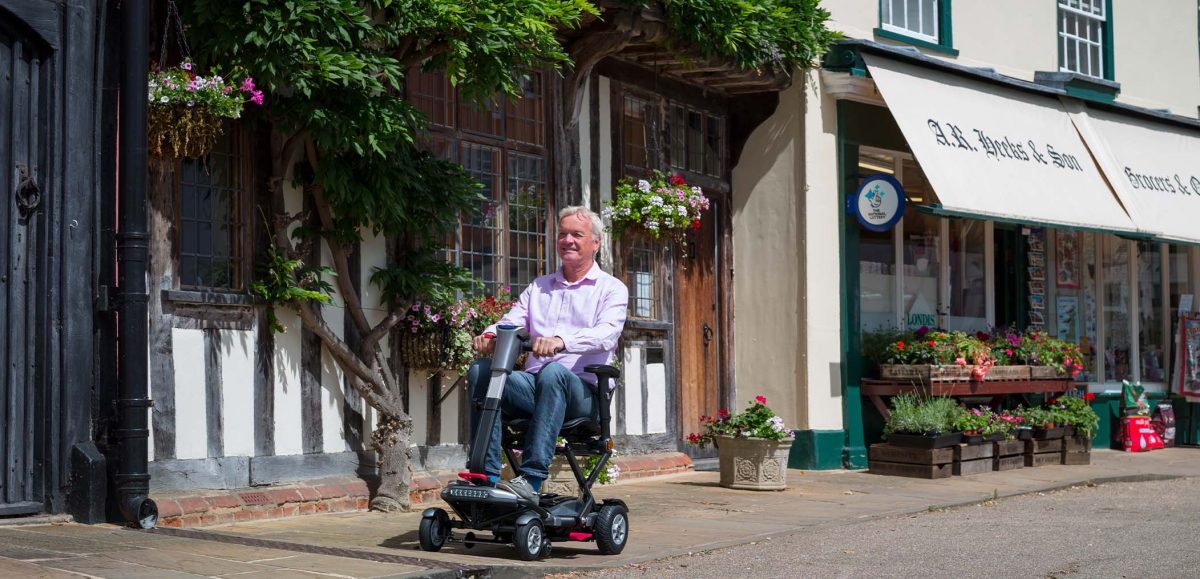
<point>588,315</point>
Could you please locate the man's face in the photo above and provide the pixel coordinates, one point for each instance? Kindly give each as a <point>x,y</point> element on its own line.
<point>576,243</point>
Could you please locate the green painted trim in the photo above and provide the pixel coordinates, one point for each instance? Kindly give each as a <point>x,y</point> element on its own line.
<point>854,453</point>
<point>1108,42</point>
<point>1092,94</point>
<point>817,450</point>
<point>881,33</point>
<point>945,30</point>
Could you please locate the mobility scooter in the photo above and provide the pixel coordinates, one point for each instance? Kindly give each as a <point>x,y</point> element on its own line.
<point>511,520</point>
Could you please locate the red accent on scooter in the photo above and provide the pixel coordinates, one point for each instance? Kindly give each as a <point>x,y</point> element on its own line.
<point>578,536</point>
<point>473,477</point>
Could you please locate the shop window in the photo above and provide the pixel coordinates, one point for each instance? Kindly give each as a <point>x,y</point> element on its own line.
<point>968,307</point>
<point>922,268</point>
<point>1151,332</point>
<point>1070,301</point>
<point>925,23</point>
<point>1084,38</point>
<point>1117,305</point>
<point>211,215</point>
<point>502,143</point>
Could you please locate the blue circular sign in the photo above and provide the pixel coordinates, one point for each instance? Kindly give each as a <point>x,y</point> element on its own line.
<point>879,202</point>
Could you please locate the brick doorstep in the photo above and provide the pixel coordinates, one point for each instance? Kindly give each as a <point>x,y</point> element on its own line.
<point>184,509</point>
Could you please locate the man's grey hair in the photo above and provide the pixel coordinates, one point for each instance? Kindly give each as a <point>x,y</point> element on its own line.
<point>588,214</point>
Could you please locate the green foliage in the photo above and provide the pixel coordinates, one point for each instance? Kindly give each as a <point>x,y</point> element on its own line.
<point>1075,411</point>
<point>971,420</point>
<point>287,281</point>
<point>916,413</point>
<point>753,33</point>
<point>756,421</point>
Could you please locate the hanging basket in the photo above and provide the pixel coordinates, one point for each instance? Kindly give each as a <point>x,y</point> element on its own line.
<point>180,131</point>
<point>424,350</point>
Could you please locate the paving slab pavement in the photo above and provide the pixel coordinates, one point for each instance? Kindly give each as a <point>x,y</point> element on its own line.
<point>669,516</point>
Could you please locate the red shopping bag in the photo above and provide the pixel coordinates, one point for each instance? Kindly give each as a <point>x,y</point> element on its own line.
<point>1139,434</point>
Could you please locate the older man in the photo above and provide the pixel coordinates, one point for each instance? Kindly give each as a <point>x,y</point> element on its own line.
<point>574,317</point>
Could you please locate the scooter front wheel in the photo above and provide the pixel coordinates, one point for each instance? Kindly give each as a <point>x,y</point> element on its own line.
<point>434,531</point>
<point>611,529</point>
<point>528,540</point>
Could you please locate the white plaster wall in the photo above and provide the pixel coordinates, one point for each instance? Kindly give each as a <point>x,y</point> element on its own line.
<point>288,437</point>
<point>822,288</point>
<point>191,411</point>
<point>237,391</point>
<point>1157,57</point>
<point>768,301</point>
<point>418,406</point>
<point>585,142</point>
<point>656,398</point>
<point>633,390</point>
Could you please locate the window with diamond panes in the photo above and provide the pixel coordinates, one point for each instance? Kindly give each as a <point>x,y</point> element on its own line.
<point>1081,36</point>
<point>503,145</point>
<point>479,242</point>
<point>915,18</point>
<point>210,216</point>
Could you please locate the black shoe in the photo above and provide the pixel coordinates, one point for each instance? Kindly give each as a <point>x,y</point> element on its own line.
<point>520,487</point>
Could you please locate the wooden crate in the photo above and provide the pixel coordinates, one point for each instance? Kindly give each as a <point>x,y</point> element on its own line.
<point>1043,459</point>
<point>970,467</point>
<point>1007,373</point>
<point>1008,462</point>
<point>1035,446</point>
<point>1077,458</point>
<point>906,454</point>
<point>1077,444</point>
<point>1008,447</point>
<point>964,452</point>
<point>924,373</point>
<point>931,463</point>
<point>1046,373</point>
<point>911,470</point>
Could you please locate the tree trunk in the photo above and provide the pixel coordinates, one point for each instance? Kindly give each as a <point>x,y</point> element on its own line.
<point>391,441</point>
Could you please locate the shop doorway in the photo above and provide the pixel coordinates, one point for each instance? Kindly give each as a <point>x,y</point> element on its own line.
<point>1009,274</point>
<point>698,326</point>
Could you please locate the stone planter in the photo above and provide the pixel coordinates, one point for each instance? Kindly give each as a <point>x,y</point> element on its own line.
<point>753,463</point>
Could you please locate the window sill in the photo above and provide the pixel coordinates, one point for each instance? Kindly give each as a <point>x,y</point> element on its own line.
<point>210,297</point>
<point>931,46</point>
<point>654,325</point>
<point>1080,86</point>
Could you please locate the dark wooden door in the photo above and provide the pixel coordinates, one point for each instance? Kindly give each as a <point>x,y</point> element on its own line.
<point>697,327</point>
<point>23,123</point>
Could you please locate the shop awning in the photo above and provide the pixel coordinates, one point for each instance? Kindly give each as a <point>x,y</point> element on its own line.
<point>1153,166</point>
<point>995,152</point>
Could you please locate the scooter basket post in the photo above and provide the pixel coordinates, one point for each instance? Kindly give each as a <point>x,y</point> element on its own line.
<point>509,341</point>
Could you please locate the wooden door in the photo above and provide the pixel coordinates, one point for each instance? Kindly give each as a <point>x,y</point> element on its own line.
<point>698,331</point>
<point>23,97</point>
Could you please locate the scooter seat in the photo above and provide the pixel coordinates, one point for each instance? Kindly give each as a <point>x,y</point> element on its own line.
<point>573,429</point>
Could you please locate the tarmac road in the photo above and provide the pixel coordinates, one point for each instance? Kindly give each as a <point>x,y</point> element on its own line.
<point>1143,529</point>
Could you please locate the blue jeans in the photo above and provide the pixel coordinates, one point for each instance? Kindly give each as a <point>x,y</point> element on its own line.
<point>547,399</point>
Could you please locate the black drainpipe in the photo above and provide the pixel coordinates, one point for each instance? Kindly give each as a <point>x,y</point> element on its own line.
<point>132,433</point>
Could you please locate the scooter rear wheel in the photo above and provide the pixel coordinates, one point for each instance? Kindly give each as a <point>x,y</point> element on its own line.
<point>434,531</point>
<point>528,540</point>
<point>611,529</point>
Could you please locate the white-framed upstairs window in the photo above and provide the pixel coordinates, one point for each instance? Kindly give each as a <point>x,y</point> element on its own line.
<point>1083,37</point>
<point>914,18</point>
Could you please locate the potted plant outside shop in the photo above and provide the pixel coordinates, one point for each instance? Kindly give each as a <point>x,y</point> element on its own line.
<point>186,109</point>
<point>928,355</point>
<point>920,421</point>
<point>752,446</point>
